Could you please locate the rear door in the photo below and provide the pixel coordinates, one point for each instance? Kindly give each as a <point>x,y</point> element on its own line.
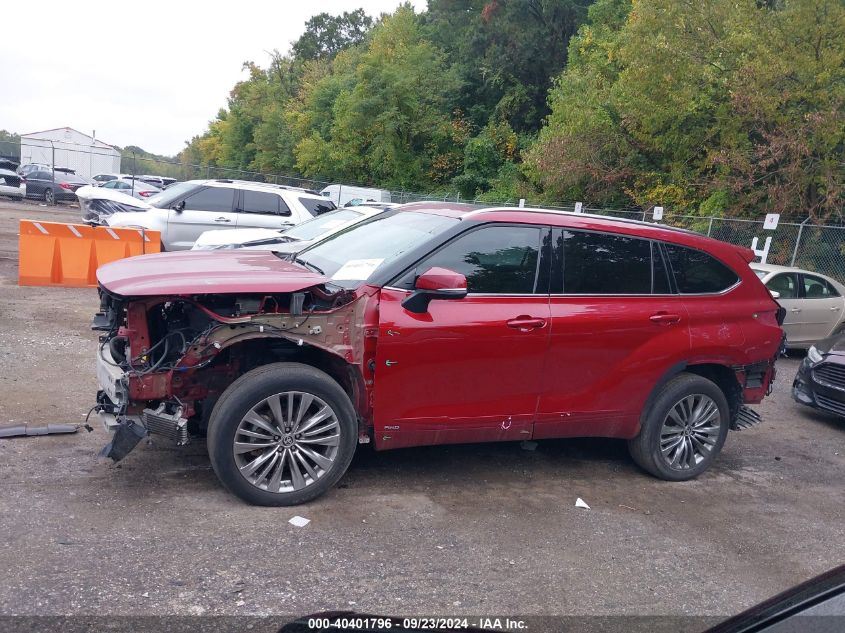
<point>616,328</point>
<point>467,370</point>
<point>822,307</point>
<point>207,209</point>
<point>263,209</point>
<point>37,182</point>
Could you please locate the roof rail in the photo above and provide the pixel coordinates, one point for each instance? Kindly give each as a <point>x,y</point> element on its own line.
<point>597,216</point>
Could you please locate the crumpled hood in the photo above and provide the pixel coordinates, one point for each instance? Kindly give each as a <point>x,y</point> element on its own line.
<point>205,272</point>
<point>90,192</point>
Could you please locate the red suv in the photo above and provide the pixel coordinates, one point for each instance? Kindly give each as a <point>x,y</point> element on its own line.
<point>436,324</point>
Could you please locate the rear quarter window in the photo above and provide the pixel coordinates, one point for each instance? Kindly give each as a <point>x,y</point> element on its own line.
<point>696,272</point>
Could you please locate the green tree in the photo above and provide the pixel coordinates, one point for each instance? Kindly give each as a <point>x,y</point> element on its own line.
<point>381,113</point>
<point>701,105</point>
<point>326,35</point>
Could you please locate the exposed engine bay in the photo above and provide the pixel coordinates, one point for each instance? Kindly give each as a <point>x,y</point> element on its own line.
<point>162,362</point>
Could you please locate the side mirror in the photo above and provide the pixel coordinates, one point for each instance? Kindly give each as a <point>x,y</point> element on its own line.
<point>179,207</point>
<point>435,283</point>
<point>775,294</point>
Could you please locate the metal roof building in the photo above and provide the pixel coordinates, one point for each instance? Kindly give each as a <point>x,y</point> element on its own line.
<point>66,147</point>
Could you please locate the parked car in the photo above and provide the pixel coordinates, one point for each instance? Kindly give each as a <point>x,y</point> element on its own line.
<point>28,168</point>
<point>101,179</point>
<point>11,183</point>
<point>342,194</point>
<point>45,186</point>
<point>185,210</point>
<point>135,188</point>
<point>820,381</point>
<point>814,303</point>
<point>435,323</point>
<point>292,240</point>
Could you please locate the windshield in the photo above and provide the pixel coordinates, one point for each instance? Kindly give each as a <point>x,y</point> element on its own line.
<point>759,273</point>
<point>171,194</point>
<point>315,227</point>
<point>317,207</point>
<point>352,256</point>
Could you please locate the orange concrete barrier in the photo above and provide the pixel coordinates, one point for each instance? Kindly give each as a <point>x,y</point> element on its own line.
<point>56,254</point>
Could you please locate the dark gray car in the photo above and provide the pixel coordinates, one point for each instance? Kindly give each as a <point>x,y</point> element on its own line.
<point>43,185</point>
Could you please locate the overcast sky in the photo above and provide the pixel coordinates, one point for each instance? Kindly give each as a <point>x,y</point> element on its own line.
<point>150,74</point>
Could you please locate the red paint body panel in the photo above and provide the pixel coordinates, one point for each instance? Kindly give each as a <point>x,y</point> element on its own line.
<point>605,357</point>
<point>458,373</point>
<point>199,272</point>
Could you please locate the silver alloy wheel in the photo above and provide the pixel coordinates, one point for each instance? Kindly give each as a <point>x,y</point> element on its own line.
<point>287,442</point>
<point>690,431</point>
<point>48,196</point>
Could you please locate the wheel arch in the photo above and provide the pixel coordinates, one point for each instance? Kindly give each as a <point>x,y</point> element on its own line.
<point>722,375</point>
<point>258,351</point>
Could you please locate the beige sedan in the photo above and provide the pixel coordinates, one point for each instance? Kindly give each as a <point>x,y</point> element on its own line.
<point>814,303</point>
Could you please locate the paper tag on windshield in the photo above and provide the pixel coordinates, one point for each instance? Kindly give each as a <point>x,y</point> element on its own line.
<point>357,269</point>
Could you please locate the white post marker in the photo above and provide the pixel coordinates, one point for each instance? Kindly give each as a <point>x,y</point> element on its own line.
<point>765,252</point>
<point>578,207</point>
<point>771,221</point>
<point>521,203</point>
<point>657,214</point>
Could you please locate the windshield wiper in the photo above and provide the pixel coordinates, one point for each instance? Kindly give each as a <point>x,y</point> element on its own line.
<point>309,266</point>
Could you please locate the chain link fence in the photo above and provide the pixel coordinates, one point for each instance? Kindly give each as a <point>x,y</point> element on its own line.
<point>819,248</point>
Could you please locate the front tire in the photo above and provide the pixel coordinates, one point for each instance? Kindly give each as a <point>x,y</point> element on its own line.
<point>684,429</point>
<point>303,429</point>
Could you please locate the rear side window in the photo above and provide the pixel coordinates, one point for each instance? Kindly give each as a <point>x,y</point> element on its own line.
<point>817,288</point>
<point>317,207</point>
<point>495,260</point>
<point>260,202</point>
<point>214,199</point>
<point>696,272</point>
<point>606,264</point>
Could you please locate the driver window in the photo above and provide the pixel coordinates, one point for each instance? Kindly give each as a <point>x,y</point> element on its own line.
<point>495,260</point>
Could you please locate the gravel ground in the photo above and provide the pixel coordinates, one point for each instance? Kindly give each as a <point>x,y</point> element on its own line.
<point>478,529</point>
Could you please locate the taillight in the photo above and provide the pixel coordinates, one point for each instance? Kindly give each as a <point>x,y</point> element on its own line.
<point>65,185</point>
<point>145,194</point>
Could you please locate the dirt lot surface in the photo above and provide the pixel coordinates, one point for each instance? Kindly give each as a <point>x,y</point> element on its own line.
<point>479,529</point>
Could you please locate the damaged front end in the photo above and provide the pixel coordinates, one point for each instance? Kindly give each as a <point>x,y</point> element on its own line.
<point>163,361</point>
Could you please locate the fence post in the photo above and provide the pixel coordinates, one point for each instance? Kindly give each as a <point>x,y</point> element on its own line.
<point>134,172</point>
<point>53,169</point>
<point>798,241</point>
<point>710,226</point>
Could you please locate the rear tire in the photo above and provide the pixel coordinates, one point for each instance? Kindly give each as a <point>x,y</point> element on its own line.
<point>267,407</point>
<point>683,430</point>
<point>49,196</point>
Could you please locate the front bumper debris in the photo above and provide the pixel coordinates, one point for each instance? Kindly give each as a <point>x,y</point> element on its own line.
<point>126,436</point>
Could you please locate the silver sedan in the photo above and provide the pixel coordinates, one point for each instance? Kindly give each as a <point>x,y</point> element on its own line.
<point>814,303</point>
<point>132,187</point>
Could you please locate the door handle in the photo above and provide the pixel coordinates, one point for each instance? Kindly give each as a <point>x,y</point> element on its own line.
<point>834,309</point>
<point>222,219</point>
<point>664,318</point>
<point>526,323</point>
<point>795,309</point>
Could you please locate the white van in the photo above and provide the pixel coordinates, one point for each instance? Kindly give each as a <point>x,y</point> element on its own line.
<point>341,195</point>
